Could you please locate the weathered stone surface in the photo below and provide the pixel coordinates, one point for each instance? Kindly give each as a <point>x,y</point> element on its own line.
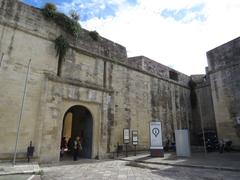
<point>153,67</point>
<point>118,92</point>
<point>117,95</point>
<point>225,84</point>
<point>202,113</point>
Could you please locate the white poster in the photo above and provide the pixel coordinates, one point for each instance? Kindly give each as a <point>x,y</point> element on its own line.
<point>134,137</point>
<point>126,136</point>
<point>155,134</point>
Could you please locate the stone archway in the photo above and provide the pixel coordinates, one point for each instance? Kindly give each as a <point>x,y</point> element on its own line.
<point>78,121</point>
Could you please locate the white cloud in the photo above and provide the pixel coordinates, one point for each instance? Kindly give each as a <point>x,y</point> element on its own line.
<point>143,31</point>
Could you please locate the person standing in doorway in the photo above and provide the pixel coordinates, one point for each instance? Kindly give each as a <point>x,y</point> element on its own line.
<point>70,145</point>
<point>77,147</point>
<point>63,146</point>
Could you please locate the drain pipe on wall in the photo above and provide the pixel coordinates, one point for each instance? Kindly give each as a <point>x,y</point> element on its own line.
<point>21,113</point>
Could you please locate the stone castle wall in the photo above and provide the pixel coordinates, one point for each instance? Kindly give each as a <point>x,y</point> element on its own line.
<point>203,117</point>
<point>224,75</point>
<point>96,75</point>
<point>160,70</point>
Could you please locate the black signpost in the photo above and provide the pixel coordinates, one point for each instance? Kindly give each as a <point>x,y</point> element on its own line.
<point>135,140</point>
<point>126,138</point>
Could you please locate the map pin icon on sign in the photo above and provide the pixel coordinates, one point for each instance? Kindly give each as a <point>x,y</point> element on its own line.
<point>155,131</point>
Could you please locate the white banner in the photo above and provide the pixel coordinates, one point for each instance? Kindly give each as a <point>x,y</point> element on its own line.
<point>155,134</point>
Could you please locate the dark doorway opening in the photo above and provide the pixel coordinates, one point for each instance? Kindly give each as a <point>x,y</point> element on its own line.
<point>77,121</point>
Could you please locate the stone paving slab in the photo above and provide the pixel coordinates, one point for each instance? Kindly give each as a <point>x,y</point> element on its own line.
<point>226,161</point>
<point>19,168</point>
<point>123,170</point>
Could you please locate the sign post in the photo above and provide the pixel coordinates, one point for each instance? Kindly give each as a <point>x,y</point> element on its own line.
<point>156,146</point>
<point>126,138</point>
<point>135,140</point>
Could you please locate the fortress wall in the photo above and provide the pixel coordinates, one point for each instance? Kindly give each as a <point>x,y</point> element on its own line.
<point>225,84</point>
<point>118,95</point>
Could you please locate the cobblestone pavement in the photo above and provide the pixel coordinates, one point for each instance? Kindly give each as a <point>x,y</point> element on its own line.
<point>116,169</point>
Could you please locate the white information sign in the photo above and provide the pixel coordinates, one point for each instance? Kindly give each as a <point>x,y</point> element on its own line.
<point>155,135</point>
<point>126,136</point>
<point>134,137</point>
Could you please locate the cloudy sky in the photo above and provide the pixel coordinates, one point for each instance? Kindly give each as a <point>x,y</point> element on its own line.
<point>176,33</point>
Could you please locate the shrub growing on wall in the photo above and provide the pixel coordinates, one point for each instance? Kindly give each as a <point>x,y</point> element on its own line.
<point>94,35</point>
<point>61,46</point>
<point>69,25</point>
<point>74,15</point>
<point>49,10</point>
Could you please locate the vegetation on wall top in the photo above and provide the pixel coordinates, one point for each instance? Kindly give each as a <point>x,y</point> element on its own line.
<point>70,25</point>
<point>49,10</point>
<point>74,15</point>
<point>94,35</point>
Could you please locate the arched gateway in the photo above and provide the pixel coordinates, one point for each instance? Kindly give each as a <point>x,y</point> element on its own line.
<point>78,121</point>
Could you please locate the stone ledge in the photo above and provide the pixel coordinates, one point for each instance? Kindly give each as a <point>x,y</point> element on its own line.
<point>79,83</point>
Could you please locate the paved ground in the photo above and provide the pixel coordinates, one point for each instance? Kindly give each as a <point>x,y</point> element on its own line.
<point>214,166</point>
<point>20,177</point>
<point>226,161</point>
<point>117,169</point>
<point>7,168</point>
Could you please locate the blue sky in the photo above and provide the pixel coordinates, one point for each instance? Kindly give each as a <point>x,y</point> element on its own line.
<point>177,33</point>
<point>86,8</point>
<point>102,8</point>
<point>180,14</point>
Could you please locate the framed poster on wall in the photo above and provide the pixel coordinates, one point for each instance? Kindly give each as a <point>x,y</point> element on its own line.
<point>126,135</point>
<point>134,137</point>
